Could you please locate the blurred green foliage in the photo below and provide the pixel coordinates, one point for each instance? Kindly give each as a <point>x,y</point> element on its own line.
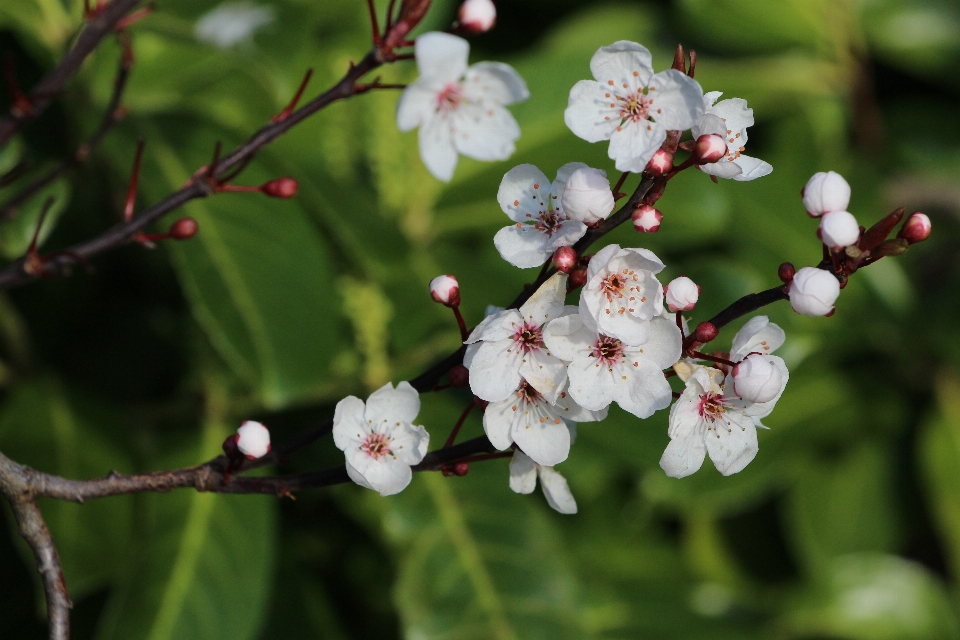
<point>846,525</point>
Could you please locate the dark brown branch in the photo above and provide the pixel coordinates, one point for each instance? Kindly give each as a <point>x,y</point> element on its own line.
<point>50,86</point>
<point>748,304</point>
<point>111,117</point>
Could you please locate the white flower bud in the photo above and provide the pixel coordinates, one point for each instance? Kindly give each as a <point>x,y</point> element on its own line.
<point>660,163</point>
<point>445,290</point>
<point>253,439</point>
<point>710,148</point>
<point>839,229</point>
<point>681,294</point>
<point>646,219</point>
<point>757,378</point>
<point>587,197</point>
<point>826,192</point>
<point>813,291</point>
<point>477,16</point>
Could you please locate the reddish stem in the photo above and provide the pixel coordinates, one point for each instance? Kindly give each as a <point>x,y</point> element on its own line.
<point>390,14</point>
<point>616,190</point>
<point>134,179</point>
<point>374,23</point>
<point>456,427</point>
<point>680,323</point>
<point>283,115</point>
<point>703,356</point>
<point>464,334</point>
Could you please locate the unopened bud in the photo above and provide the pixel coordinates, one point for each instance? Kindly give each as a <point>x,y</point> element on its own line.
<point>916,229</point>
<point>757,378</point>
<point>477,16</point>
<point>459,377</point>
<point>660,163</point>
<point>445,290</point>
<point>578,277</point>
<point>710,148</point>
<point>230,447</point>
<point>183,229</point>
<point>826,192</point>
<point>813,291</point>
<point>281,188</point>
<point>705,332</point>
<point>253,440</point>
<point>646,219</point>
<point>411,13</point>
<point>786,271</point>
<point>461,468</point>
<point>681,294</point>
<point>587,196</point>
<point>839,229</point>
<point>565,259</point>
<point>892,247</point>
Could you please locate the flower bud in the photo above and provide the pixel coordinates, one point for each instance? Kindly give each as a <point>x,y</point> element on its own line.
<point>578,277</point>
<point>646,219</point>
<point>710,148</point>
<point>281,188</point>
<point>785,272</point>
<point>660,163</point>
<point>705,332</point>
<point>757,378</point>
<point>183,229</point>
<point>253,440</point>
<point>681,294</point>
<point>461,468</point>
<point>459,376</point>
<point>813,291</point>
<point>839,229</point>
<point>477,16</point>
<point>826,192</point>
<point>587,196</point>
<point>445,290</point>
<point>916,229</point>
<point>565,259</point>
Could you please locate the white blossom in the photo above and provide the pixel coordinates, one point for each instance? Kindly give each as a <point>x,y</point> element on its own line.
<point>587,196</point>
<point>603,369</point>
<point>477,16</point>
<point>541,223</point>
<point>757,335</point>
<point>459,110</point>
<point>445,290</point>
<point>379,439</point>
<point>253,439</point>
<point>826,192</point>
<point>536,426</point>
<point>757,378</point>
<point>730,119</point>
<point>681,294</point>
<point>523,479</point>
<point>630,106</point>
<point>813,291</point>
<point>508,347</point>
<point>231,23</point>
<point>622,293</point>
<point>839,229</point>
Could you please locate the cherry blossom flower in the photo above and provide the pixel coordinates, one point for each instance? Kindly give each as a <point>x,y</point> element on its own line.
<point>813,291</point>
<point>459,110</point>
<point>826,192</point>
<point>535,425</point>
<point>630,106</point>
<point>378,438</point>
<point>730,119</point>
<point>253,440</point>
<point>646,219</point>
<point>541,223</point>
<point>622,293</point>
<point>603,369</point>
<point>232,23</point>
<point>757,335</point>
<point>839,229</point>
<point>508,347</point>
<point>587,196</point>
<point>523,479</point>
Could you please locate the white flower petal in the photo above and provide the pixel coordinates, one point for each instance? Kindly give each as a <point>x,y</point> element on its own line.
<point>417,103</point>
<point>558,185</point>
<point>523,473</point>
<point>592,385</point>
<point>557,491</point>
<point>484,132</point>
<point>664,347</point>
<point>388,475</point>
<point>751,168</point>
<point>349,425</point>
<point>441,57</point>
<point>568,339</point>
<point>542,435</point>
<point>571,411</point>
<point>388,404</point>
<point>620,61</point>
<point>356,476</point>
<point>499,325</point>
<point>733,444</point>
<point>545,373</point>
<point>522,245</point>
<point>437,149</point>
<point>725,168</point>
<point>494,81</point>
<point>759,335</point>
<point>547,302</point>
<point>566,235</point>
<point>633,144</point>
<point>494,371</point>
<point>736,115</point>
<point>588,114</point>
<point>409,443</point>
<point>524,193</point>
<point>498,421</point>
<point>763,409</point>
<point>677,100</point>
<point>642,390</point>
<point>683,456</point>
<point>685,413</point>
<point>708,124</point>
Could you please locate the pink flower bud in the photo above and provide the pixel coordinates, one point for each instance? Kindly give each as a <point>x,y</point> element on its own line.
<point>660,163</point>
<point>785,272</point>
<point>461,468</point>
<point>281,188</point>
<point>646,219</point>
<point>681,294</point>
<point>578,277</point>
<point>477,16</point>
<point>757,378</point>
<point>183,229</point>
<point>839,229</point>
<point>445,290</point>
<point>826,192</point>
<point>705,332</point>
<point>459,376</point>
<point>916,229</point>
<point>710,148</point>
<point>587,196</point>
<point>253,440</point>
<point>565,259</point>
<point>813,291</point>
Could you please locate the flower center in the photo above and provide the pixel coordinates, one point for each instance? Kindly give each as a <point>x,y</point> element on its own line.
<point>607,350</point>
<point>450,97</point>
<point>528,337</point>
<point>548,222</point>
<point>634,107</point>
<point>612,286</point>
<point>527,393</point>
<point>711,406</point>
<point>376,446</point>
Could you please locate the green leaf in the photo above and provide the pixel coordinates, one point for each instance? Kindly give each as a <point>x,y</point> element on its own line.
<point>478,561</point>
<point>202,566</point>
<point>40,427</point>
